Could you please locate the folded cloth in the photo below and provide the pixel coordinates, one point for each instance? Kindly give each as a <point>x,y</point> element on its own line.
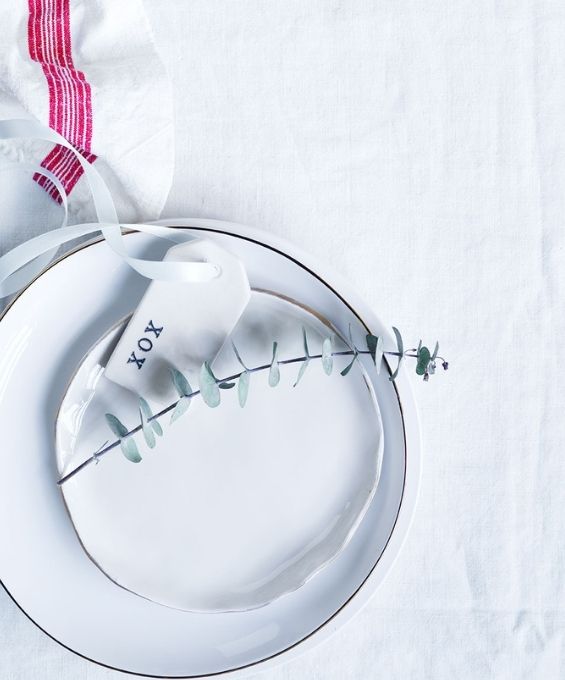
<point>90,70</point>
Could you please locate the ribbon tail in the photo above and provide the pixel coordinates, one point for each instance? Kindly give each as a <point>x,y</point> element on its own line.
<point>21,265</point>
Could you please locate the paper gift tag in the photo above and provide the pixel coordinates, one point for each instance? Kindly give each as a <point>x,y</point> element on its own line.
<point>179,325</point>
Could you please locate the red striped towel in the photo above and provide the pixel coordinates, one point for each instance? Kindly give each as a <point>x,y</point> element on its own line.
<point>90,70</point>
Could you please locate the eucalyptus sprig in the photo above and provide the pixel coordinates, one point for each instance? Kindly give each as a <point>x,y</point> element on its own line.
<point>210,386</point>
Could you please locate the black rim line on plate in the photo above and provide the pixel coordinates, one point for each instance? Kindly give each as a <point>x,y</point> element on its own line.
<point>355,592</point>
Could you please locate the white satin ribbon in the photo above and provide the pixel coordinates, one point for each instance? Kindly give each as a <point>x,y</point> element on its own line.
<point>19,266</point>
<point>30,270</point>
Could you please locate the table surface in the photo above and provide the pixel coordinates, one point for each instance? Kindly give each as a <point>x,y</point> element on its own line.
<point>418,148</point>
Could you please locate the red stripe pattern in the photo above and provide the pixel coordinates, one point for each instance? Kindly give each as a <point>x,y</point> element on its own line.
<point>70,97</point>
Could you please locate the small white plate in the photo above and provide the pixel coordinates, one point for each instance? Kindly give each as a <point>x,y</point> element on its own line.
<point>44,336</point>
<point>234,507</point>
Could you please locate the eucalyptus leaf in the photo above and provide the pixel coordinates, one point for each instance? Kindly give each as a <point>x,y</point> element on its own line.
<point>351,343</point>
<point>145,409</point>
<point>327,358</point>
<point>372,345</point>
<point>182,406</point>
<point>301,372</point>
<point>399,341</point>
<point>147,430</point>
<point>274,375</point>
<point>243,388</point>
<point>434,353</point>
<point>349,366</point>
<point>400,348</point>
<point>130,450</point>
<point>424,357</point>
<point>147,414</point>
<point>274,371</point>
<point>208,387</point>
<point>238,357</point>
<point>305,342</point>
<point>181,384</point>
<point>117,427</point>
<point>148,435</point>
<point>352,347</point>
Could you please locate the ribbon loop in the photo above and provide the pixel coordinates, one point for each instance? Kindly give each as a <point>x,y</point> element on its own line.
<point>23,263</point>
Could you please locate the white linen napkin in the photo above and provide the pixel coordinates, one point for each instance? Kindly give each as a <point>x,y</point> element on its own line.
<point>90,70</point>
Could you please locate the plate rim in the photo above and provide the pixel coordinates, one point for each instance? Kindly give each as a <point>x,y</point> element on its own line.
<point>411,435</point>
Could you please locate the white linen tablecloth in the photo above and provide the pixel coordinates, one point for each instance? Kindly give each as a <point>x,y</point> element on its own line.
<point>419,148</point>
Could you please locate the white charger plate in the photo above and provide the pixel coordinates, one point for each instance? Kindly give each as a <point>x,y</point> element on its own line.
<point>43,337</point>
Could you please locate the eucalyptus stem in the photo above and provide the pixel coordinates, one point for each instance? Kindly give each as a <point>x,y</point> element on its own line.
<point>263,367</point>
<point>425,366</point>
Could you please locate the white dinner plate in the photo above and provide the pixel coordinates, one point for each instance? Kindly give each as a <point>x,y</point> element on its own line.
<point>44,336</point>
<point>233,507</point>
